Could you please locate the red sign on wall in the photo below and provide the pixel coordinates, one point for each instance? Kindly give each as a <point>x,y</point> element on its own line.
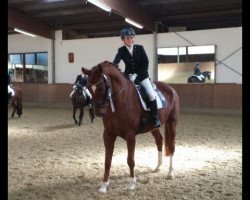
<point>71,57</point>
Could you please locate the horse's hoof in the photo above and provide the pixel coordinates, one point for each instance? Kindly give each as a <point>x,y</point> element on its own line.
<point>103,188</point>
<point>131,186</point>
<point>170,176</point>
<point>158,168</point>
<point>132,183</point>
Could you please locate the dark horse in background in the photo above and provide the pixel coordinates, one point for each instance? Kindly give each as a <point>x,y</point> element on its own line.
<point>117,102</point>
<point>195,79</point>
<point>80,101</point>
<point>16,102</point>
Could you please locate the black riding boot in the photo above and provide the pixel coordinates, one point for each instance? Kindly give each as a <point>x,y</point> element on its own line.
<point>9,97</point>
<point>153,107</point>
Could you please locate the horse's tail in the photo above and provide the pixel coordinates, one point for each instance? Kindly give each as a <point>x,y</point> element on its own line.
<point>170,126</point>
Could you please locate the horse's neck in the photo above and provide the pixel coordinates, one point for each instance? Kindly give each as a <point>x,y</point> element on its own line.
<point>120,87</point>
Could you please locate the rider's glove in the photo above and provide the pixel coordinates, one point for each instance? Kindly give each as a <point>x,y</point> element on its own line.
<point>132,77</point>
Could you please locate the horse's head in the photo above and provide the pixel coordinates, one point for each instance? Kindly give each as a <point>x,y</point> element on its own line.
<point>99,87</point>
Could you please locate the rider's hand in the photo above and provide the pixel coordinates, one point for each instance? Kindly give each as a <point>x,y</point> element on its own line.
<point>132,77</point>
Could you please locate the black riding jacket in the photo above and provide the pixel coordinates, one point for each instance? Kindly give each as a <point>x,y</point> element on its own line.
<point>197,71</point>
<point>82,80</point>
<point>138,63</point>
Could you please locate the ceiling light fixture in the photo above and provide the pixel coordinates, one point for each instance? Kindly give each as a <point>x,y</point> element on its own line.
<point>100,5</point>
<point>133,23</point>
<point>24,32</point>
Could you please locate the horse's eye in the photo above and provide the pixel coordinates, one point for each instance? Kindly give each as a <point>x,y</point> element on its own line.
<point>93,88</point>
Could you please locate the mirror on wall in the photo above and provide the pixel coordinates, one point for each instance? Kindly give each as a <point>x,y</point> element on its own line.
<point>182,64</point>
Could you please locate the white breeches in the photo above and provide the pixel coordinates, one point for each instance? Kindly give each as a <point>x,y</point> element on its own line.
<point>11,90</point>
<point>200,77</point>
<point>149,89</point>
<point>85,90</point>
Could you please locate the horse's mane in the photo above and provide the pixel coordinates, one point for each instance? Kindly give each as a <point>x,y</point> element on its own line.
<point>114,68</point>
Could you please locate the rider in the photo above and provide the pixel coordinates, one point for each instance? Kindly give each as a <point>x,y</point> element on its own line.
<point>11,92</point>
<point>136,65</point>
<point>197,71</point>
<point>82,79</point>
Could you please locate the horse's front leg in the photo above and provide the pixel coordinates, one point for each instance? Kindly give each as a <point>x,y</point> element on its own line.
<point>74,114</point>
<point>91,114</point>
<point>130,160</point>
<point>80,116</point>
<point>109,142</point>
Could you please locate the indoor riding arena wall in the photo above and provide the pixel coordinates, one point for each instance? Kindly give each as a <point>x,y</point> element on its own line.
<point>191,95</point>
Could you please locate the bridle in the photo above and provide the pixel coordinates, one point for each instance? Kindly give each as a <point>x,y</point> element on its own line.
<point>107,96</point>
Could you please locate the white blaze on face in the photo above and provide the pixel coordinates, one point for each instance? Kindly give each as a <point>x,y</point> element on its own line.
<point>93,88</point>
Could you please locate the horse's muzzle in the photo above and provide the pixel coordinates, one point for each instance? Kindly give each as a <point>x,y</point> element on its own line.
<point>100,112</point>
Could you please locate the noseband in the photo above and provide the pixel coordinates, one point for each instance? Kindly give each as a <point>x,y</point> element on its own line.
<point>107,96</point>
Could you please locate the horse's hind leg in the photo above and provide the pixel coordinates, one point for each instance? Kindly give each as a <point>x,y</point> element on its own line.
<point>159,141</point>
<point>170,132</point>
<point>19,107</point>
<point>14,107</point>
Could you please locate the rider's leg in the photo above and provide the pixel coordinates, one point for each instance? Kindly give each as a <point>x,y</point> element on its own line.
<point>71,94</point>
<point>89,96</point>
<point>11,90</point>
<point>152,101</point>
<point>11,93</point>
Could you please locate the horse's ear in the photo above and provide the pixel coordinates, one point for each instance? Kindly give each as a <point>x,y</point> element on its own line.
<point>100,68</point>
<point>86,71</point>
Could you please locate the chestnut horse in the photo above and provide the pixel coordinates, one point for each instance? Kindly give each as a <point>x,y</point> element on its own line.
<point>117,102</point>
<point>16,102</point>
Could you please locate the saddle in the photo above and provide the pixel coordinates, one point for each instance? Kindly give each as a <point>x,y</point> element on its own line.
<point>160,99</point>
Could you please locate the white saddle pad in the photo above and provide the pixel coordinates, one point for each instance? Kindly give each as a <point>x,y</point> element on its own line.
<point>160,99</point>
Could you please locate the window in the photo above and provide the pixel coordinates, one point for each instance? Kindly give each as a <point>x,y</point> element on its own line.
<point>28,67</point>
<point>176,64</point>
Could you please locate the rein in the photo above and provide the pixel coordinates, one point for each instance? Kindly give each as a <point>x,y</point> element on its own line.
<point>108,95</point>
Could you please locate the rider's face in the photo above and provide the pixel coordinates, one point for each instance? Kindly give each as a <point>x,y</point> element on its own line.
<point>129,40</point>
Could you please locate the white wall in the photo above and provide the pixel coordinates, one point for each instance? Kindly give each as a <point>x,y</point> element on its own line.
<point>90,52</point>
<point>227,41</point>
<point>20,43</point>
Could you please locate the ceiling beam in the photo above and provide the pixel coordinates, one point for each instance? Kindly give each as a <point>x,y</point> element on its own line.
<point>17,19</point>
<point>131,10</point>
<point>200,15</point>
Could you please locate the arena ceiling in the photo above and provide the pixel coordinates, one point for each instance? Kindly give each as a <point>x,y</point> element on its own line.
<point>81,19</point>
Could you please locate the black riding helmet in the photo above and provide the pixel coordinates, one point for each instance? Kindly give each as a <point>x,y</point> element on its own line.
<point>127,31</point>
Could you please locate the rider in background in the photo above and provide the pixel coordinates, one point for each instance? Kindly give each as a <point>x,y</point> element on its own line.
<point>197,71</point>
<point>11,92</point>
<point>136,66</point>
<point>82,79</point>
